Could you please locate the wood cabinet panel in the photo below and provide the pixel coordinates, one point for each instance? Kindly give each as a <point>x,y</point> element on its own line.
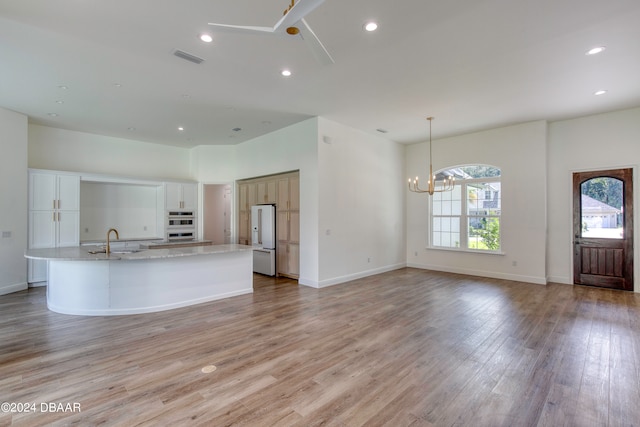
<point>266,192</point>
<point>284,191</point>
<point>294,227</point>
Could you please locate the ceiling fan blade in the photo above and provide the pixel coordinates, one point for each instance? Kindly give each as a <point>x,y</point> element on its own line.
<point>297,12</point>
<point>242,28</point>
<point>313,42</point>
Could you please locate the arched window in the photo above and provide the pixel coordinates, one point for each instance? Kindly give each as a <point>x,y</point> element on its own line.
<point>468,217</point>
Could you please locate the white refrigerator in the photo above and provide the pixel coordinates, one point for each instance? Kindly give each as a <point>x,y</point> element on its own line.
<point>263,238</point>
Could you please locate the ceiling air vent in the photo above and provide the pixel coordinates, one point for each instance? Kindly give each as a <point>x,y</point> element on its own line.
<point>189,57</point>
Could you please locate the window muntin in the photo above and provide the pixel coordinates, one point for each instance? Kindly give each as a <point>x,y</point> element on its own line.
<point>471,222</point>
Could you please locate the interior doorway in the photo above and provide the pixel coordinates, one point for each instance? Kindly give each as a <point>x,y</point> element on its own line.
<point>217,213</point>
<point>603,228</point>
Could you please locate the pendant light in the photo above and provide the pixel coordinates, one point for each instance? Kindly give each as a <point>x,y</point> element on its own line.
<point>446,185</point>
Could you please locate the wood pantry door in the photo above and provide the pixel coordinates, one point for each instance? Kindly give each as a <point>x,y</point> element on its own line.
<point>603,228</point>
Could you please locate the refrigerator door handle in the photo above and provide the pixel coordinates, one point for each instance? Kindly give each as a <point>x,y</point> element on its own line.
<point>260,226</point>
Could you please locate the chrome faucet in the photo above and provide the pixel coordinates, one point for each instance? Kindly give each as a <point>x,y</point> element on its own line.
<point>109,241</point>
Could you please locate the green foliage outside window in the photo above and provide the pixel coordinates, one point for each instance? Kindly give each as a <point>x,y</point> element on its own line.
<point>491,234</point>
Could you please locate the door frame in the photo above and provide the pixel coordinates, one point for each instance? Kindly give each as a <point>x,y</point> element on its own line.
<point>627,278</point>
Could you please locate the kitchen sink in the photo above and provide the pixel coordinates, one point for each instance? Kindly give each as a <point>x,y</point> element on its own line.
<point>126,251</point>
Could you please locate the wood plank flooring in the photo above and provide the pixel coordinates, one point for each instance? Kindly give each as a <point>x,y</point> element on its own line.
<point>405,348</point>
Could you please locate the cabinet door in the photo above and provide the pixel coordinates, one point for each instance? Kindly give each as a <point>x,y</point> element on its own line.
<point>294,259</point>
<point>294,227</point>
<point>261,192</point>
<point>173,195</point>
<point>282,258</point>
<point>252,196</point>
<point>271,191</point>
<point>282,226</point>
<point>243,197</point>
<point>190,196</point>
<point>243,206</point>
<point>283,194</point>
<point>294,193</point>
<point>266,192</point>
<point>68,194</point>
<point>68,228</point>
<point>42,191</point>
<point>42,229</point>
<point>288,259</point>
<point>243,228</point>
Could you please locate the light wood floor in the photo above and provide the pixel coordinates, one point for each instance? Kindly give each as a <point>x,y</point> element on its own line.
<point>405,348</point>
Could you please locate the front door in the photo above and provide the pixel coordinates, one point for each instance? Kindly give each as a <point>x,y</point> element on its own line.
<point>603,228</point>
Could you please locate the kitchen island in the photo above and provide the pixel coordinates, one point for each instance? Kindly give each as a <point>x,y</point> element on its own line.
<point>86,281</point>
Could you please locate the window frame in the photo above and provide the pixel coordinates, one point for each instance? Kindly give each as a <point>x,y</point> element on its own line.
<point>464,216</point>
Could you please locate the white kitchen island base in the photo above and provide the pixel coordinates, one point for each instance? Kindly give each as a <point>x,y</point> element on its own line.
<point>135,283</point>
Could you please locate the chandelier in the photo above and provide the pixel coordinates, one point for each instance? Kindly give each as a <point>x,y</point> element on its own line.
<point>446,184</point>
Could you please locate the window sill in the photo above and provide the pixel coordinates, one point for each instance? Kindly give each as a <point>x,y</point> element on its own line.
<point>473,251</point>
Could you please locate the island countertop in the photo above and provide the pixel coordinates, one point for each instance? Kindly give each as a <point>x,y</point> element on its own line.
<point>94,253</point>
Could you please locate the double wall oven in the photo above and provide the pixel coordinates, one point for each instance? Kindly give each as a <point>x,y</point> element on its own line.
<point>181,225</point>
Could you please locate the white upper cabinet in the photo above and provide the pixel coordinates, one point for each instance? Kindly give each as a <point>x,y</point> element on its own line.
<point>50,191</point>
<point>54,210</point>
<point>181,196</point>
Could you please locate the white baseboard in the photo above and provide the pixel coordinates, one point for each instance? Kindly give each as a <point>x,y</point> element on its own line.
<point>350,277</point>
<point>37,284</point>
<point>491,274</point>
<point>8,289</point>
<point>560,279</point>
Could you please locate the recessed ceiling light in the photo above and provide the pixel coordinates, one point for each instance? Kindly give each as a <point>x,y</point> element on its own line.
<point>63,87</point>
<point>180,128</point>
<point>52,114</point>
<point>599,92</point>
<point>286,73</point>
<point>370,26</point>
<point>59,101</point>
<point>206,38</point>
<point>117,84</point>
<point>595,50</point>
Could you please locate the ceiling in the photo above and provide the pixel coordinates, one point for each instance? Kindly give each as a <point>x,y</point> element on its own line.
<point>473,64</point>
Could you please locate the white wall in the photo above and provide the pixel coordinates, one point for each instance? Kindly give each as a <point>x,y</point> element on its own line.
<point>13,201</point>
<point>520,152</point>
<point>132,209</point>
<point>288,149</point>
<point>328,173</point>
<point>213,164</point>
<point>603,141</point>
<point>361,204</point>
<point>64,150</point>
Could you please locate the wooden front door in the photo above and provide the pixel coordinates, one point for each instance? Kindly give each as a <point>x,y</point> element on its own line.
<point>603,228</point>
